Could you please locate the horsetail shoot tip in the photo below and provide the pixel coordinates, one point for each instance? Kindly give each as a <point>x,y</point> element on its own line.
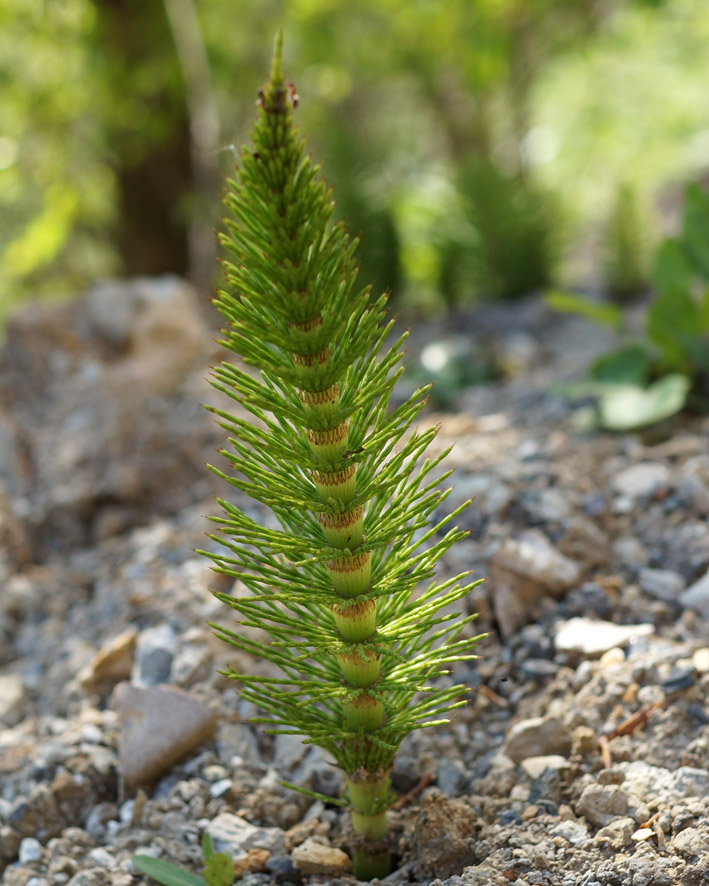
<point>358,649</point>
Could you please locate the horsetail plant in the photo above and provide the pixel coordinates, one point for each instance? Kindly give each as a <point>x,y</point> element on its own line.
<point>357,647</point>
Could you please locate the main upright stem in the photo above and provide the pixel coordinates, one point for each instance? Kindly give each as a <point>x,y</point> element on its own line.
<point>354,616</point>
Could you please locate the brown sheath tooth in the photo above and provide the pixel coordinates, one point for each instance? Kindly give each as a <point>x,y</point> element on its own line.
<point>329,445</point>
<point>310,360</point>
<point>320,398</point>
<point>336,484</point>
<point>308,325</point>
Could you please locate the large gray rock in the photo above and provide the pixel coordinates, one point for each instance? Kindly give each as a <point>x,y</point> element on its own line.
<point>158,726</point>
<point>522,572</point>
<point>601,804</point>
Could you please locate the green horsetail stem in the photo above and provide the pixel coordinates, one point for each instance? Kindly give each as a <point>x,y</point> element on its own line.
<point>355,649</point>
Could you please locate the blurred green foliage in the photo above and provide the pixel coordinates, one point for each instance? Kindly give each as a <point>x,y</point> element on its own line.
<point>461,138</point>
<point>646,381</point>
<point>626,250</point>
<point>505,242</point>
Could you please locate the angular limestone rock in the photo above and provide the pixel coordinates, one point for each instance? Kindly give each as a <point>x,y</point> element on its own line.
<point>158,726</point>
<point>537,737</point>
<point>112,664</point>
<point>233,834</point>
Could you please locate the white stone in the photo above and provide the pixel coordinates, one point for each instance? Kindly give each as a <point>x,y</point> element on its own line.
<point>591,636</point>
<point>103,858</point>
<point>614,656</point>
<point>690,842</point>
<point>234,834</point>
<point>700,660</point>
<point>643,480</point>
<point>30,850</point>
<point>642,834</point>
<point>534,766</point>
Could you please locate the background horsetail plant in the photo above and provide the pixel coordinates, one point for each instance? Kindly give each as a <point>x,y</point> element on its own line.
<point>353,494</point>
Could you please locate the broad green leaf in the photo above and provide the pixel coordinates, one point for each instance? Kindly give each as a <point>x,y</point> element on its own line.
<point>674,325</point>
<point>672,273</point>
<point>628,365</point>
<point>695,229</point>
<point>570,303</point>
<point>624,407</point>
<point>166,873</point>
<point>219,870</point>
<point>207,846</point>
<point>674,319</point>
<point>704,308</point>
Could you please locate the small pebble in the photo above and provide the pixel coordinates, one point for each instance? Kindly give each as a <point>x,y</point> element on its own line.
<point>642,834</point>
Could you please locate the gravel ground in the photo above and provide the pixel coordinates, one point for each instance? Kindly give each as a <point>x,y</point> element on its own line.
<point>582,757</point>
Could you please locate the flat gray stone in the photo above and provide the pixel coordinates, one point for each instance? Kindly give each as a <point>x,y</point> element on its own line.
<point>697,596</point>
<point>12,698</point>
<point>312,857</point>
<point>663,584</point>
<point>158,726</point>
<point>155,651</point>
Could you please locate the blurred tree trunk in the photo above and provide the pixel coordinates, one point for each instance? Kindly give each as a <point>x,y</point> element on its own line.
<point>204,137</point>
<point>151,134</point>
